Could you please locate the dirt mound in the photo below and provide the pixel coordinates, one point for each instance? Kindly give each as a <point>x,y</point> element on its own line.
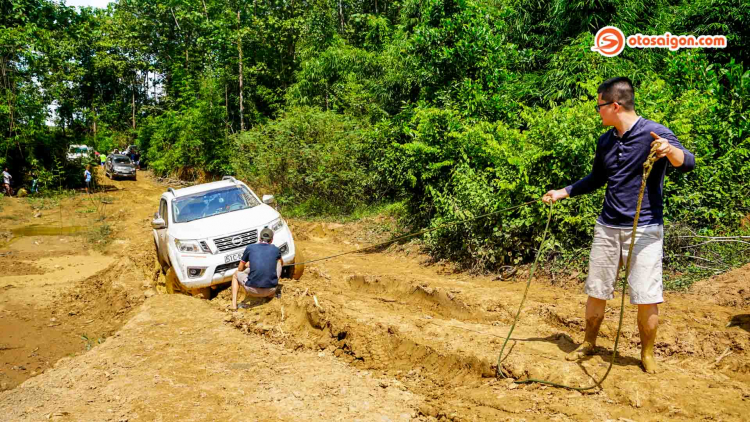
<point>440,338</point>
<point>11,264</point>
<point>729,289</point>
<point>176,360</point>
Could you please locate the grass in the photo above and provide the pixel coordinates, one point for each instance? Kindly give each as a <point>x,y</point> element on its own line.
<point>100,235</point>
<point>90,342</point>
<point>316,210</point>
<point>43,202</point>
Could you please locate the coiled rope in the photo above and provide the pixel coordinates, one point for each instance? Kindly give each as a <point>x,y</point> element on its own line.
<point>647,165</point>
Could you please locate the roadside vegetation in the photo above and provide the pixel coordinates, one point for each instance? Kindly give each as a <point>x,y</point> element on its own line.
<point>448,108</point>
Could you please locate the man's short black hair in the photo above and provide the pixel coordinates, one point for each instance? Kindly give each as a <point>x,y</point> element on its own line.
<point>618,90</point>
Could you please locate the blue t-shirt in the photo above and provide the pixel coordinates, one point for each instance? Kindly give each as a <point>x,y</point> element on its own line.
<point>87,174</point>
<point>618,163</point>
<point>262,258</point>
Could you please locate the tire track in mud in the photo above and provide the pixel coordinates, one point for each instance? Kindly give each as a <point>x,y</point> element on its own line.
<point>438,335</point>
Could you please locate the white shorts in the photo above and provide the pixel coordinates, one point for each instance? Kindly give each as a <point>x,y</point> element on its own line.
<point>609,252</point>
<point>254,291</point>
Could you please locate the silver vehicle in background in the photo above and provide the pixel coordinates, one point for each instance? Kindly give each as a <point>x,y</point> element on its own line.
<point>119,166</point>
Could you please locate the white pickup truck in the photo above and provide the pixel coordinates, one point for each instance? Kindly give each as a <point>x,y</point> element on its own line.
<point>77,152</point>
<point>200,233</point>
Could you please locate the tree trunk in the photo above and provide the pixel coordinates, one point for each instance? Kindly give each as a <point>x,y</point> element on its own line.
<point>239,50</point>
<point>226,105</point>
<point>341,16</point>
<point>133,103</point>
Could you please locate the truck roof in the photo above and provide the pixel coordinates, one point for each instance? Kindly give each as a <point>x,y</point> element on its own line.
<point>204,187</point>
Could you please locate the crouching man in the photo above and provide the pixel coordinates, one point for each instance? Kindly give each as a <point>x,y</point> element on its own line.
<point>259,270</point>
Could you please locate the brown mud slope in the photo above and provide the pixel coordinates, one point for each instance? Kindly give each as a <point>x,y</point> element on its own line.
<point>65,287</point>
<point>379,336</point>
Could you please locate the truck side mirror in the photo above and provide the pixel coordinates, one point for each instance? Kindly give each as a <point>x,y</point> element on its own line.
<point>158,223</point>
<point>268,199</point>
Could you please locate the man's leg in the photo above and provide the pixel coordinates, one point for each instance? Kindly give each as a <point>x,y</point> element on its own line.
<point>235,287</point>
<point>604,261</point>
<point>594,317</point>
<point>648,321</point>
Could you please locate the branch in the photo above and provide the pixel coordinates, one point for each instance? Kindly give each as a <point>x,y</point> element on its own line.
<point>175,19</point>
<point>714,241</point>
<point>717,237</point>
<point>702,259</point>
<point>205,10</point>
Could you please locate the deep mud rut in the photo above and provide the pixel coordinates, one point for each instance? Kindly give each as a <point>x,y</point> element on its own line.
<point>377,336</point>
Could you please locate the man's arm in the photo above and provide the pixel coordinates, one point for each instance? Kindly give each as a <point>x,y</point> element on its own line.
<point>243,265</point>
<point>670,147</point>
<point>596,179</point>
<point>278,269</point>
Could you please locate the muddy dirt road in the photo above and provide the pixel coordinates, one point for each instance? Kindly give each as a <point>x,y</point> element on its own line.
<point>389,338</point>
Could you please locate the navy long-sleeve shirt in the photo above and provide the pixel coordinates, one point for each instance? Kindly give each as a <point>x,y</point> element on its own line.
<point>619,164</point>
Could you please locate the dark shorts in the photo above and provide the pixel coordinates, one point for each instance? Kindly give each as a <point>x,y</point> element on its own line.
<point>88,183</point>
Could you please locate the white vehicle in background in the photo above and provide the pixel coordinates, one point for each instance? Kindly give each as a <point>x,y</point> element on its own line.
<point>76,152</point>
<point>200,233</point>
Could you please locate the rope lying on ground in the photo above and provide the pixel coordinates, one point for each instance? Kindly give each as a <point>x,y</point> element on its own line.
<point>419,233</point>
<point>647,165</point>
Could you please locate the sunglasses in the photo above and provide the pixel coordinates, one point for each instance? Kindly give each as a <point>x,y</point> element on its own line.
<point>599,106</point>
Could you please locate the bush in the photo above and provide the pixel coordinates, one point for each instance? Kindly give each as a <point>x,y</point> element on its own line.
<point>452,168</point>
<point>308,156</point>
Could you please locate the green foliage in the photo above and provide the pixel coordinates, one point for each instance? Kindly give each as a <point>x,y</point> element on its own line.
<point>192,140</point>
<point>452,108</point>
<point>311,159</point>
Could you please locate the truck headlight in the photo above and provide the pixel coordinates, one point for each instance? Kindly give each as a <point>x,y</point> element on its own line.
<point>189,246</point>
<point>276,225</point>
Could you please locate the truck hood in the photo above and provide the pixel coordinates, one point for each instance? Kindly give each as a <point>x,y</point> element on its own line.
<point>224,224</point>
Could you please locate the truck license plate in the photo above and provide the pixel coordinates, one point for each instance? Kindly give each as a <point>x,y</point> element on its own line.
<point>232,257</point>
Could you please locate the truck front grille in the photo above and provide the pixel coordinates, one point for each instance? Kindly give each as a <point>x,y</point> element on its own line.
<point>236,241</point>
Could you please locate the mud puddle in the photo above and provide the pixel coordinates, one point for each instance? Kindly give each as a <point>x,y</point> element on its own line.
<point>59,296</point>
<point>41,230</point>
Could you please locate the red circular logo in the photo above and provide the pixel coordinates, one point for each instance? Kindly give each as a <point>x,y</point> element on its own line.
<point>609,41</point>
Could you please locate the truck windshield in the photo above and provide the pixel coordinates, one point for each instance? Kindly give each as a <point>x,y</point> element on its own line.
<point>215,202</point>
<point>122,161</point>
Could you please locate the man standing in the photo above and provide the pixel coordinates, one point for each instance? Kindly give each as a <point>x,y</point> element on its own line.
<point>87,178</point>
<point>618,163</point>
<point>259,270</point>
<point>6,181</point>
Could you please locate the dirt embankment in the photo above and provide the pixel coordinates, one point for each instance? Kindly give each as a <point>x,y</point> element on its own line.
<point>66,286</point>
<point>376,336</point>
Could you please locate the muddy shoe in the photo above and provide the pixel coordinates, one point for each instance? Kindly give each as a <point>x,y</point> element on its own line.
<point>649,363</point>
<point>585,349</point>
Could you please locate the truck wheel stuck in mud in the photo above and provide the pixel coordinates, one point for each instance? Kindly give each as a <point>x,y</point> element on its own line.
<point>200,233</point>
